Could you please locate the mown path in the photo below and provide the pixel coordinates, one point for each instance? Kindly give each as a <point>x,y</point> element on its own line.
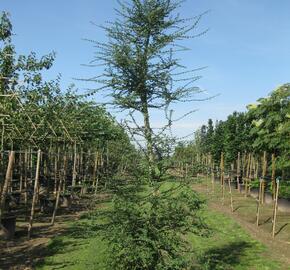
<point>245,214</point>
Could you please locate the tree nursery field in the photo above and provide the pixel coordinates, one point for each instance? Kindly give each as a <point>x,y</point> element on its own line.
<point>81,189</point>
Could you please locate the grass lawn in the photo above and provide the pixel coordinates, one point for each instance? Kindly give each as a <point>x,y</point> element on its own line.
<point>228,247</point>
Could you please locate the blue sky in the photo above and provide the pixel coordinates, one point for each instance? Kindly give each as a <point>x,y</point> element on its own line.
<point>246,51</point>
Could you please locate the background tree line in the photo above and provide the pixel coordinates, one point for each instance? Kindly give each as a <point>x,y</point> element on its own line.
<point>265,126</point>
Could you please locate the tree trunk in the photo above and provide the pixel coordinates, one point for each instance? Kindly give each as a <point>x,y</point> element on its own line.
<point>20,171</point>
<point>74,166</point>
<point>26,176</point>
<point>148,134</point>
<point>95,169</point>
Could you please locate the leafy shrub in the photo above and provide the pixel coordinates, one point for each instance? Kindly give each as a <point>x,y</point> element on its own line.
<point>147,231</point>
<point>284,190</point>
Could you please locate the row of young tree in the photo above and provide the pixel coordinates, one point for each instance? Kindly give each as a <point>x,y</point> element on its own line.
<point>37,113</point>
<point>52,139</point>
<point>264,127</point>
<point>148,219</point>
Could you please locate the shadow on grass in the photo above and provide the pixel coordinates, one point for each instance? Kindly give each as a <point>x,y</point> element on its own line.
<point>281,228</point>
<point>21,252</point>
<point>225,257</point>
<point>266,221</point>
<point>239,207</point>
<point>58,246</point>
<point>73,238</point>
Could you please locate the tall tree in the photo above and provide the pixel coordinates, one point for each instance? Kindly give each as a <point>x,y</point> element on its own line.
<point>270,125</point>
<point>209,136</point>
<point>142,71</point>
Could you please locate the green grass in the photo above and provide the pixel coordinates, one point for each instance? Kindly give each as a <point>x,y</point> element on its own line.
<point>227,247</point>
<point>79,248</point>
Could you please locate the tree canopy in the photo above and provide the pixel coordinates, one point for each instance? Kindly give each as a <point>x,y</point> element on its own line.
<point>263,127</point>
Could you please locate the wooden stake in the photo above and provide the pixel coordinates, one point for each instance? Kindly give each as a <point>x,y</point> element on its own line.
<point>34,193</point>
<point>21,172</point>
<point>37,192</point>
<point>26,176</point>
<point>238,172</point>
<point>251,166</point>
<point>74,166</point>
<point>252,169</point>
<point>222,177</point>
<point>222,168</point>
<point>247,175</point>
<point>31,164</point>
<point>244,161</point>
<point>273,176</point>
<point>62,179</point>
<point>248,165</point>
<point>257,169</point>
<point>56,174</point>
<point>8,178</point>
<point>231,195</point>
<point>212,176</point>
<point>275,208</point>
<point>107,164</point>
<point>259,200</point>
<point>95,169</point>
<point>264,171</point>
<point>81,165</point>
<point>97,172</point>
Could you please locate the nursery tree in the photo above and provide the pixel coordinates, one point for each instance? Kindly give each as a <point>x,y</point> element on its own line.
<point>236,129</point>
<point>38,113</point>
<point>264,127</point>
<point>270,123</point>
<point>209,135</point>
<point>19,75</point>
<point>142,71</point>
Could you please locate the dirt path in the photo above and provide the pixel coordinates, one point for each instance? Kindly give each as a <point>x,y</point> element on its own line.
<point>245,214</point>
<point>22,253</point>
